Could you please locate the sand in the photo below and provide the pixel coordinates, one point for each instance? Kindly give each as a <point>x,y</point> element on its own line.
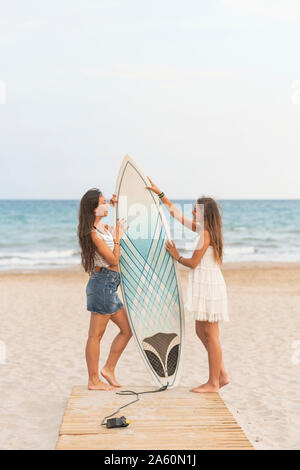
<point>44,326</point>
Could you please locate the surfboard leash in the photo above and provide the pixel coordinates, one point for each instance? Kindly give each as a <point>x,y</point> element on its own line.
<point>123,422</point>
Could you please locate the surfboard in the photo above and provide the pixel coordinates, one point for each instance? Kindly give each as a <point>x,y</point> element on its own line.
<point>150,283</point>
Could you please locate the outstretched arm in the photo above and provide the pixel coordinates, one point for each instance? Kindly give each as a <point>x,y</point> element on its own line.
<point>196,256</point>
<point>174,211</point>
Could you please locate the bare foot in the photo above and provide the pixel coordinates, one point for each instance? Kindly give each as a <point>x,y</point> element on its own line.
<point>99,385</point>
<point>224,380</point>
<point>110,377</point>
<point>205,388</point>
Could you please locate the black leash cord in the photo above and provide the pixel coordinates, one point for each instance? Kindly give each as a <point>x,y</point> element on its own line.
<point>131,392</point>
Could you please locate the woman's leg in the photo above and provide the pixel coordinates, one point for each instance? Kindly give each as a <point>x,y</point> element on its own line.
<point>223,379</point>
<point>118,345</point>
<point>98,324</point>
<point>211,333</point>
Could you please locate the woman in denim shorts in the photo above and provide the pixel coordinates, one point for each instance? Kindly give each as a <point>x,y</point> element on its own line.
<point>100,252</point>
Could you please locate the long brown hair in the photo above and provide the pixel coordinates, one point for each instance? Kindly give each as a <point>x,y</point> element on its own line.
<point>86,217</point>
<point>213,224</point>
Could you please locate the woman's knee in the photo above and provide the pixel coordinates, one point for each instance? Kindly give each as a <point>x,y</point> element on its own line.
<point>96,335</point>
<point>210,331</point>
<point>202,329</point>
<point>126,332</point>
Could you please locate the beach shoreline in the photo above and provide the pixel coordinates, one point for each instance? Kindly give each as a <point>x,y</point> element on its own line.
<point>226,266</point>
<point>45,327</point>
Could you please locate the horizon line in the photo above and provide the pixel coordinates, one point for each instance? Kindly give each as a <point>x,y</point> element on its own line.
<point>174,199</point>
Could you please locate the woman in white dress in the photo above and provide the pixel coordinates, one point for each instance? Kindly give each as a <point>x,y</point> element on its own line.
<point>206,291</point>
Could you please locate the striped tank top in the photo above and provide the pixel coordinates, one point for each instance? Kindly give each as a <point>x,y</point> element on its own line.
<point>107,236</point>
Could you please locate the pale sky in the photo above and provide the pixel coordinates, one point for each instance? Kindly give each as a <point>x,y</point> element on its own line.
<point>204,95</point>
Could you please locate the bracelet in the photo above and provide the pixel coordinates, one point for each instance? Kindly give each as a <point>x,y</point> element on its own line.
<point>162,194</point>
<point>179,259</point>
<point>116,243</point>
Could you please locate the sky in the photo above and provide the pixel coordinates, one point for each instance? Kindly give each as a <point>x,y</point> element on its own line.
<point>204,95</point>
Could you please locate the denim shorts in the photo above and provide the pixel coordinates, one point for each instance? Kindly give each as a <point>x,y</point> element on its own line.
<point>101,292</point>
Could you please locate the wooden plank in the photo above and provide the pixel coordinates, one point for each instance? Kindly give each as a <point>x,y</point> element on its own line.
<point>172,419</point>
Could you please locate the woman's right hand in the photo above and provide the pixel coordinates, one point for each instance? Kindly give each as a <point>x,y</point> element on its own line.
<point>121,228</point>
<point>153,187</point>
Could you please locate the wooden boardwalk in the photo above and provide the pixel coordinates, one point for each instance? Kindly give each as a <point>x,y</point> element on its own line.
<point>172,419</point>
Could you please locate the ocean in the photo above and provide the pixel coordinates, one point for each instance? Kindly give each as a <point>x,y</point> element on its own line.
<point>37,234</point>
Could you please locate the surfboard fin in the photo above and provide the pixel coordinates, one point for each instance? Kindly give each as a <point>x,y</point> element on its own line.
<point>162,351</point>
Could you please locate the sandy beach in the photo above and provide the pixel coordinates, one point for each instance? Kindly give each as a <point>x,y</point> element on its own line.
<point>44,326</point>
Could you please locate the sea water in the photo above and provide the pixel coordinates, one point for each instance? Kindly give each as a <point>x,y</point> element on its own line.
<point>38,234</point>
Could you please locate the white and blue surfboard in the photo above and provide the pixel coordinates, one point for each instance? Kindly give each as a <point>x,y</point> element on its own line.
<point>150,282</point>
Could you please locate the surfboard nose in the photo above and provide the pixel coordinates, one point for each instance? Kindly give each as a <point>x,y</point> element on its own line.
<point>162,351</point>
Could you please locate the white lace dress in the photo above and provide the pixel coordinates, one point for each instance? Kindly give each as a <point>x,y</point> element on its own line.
<point>206,291</point>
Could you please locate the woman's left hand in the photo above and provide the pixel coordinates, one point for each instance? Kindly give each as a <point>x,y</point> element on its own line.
<point>170,246</point>
<point>153,187</point>
<point>113,200</point>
